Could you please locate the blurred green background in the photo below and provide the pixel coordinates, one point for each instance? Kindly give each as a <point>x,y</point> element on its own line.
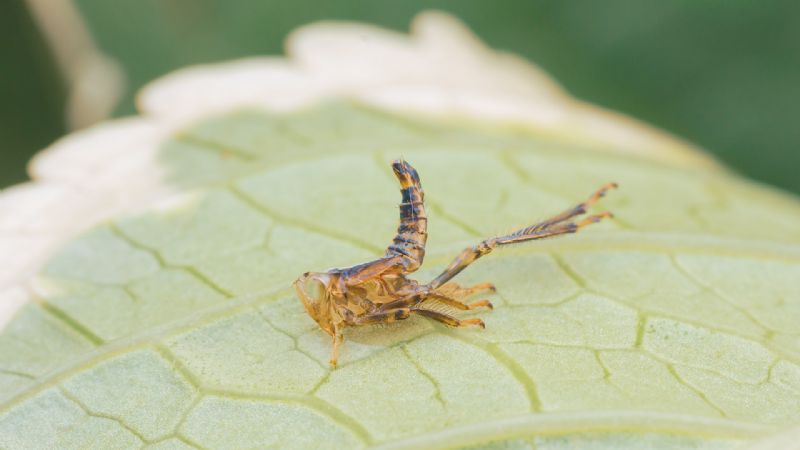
<point>724,74</point>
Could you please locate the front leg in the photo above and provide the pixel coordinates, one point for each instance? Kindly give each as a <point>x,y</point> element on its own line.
<point>338,338</point>
<point>367,319</point>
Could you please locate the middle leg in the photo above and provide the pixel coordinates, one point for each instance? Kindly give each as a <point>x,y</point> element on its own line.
<point>450,321</point>
<point>455,290</point>
<point>418,298</point>
<point>457,304</point>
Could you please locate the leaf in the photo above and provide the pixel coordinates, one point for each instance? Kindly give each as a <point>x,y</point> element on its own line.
<point>169,322</point>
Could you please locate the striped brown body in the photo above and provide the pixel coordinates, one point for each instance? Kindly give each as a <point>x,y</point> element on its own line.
<point>379,291</point>
<point>412,234</point>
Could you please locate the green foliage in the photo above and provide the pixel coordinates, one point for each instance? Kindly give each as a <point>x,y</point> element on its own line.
<point>672,326</point>
<point>721,74</point>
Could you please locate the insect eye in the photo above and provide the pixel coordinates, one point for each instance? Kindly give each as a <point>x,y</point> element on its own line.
<point>314,289</point>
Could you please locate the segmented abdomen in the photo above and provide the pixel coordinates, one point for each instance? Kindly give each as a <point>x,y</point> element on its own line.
<point>413,230</point>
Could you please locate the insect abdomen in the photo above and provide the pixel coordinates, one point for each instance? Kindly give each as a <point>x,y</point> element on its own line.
<point>413,230</point>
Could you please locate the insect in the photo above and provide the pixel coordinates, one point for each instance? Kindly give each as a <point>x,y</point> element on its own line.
<point>379,291</point>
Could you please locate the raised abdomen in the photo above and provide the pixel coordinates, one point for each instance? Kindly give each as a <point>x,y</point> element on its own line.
<point>413,230</point>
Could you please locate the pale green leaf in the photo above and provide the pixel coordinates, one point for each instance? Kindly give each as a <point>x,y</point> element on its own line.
<point>673,326</point>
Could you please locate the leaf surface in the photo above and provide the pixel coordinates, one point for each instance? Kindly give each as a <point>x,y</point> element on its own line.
<point>673,326</point>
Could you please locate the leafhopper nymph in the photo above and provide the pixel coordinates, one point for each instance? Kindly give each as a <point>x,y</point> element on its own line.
<point>379,291</point>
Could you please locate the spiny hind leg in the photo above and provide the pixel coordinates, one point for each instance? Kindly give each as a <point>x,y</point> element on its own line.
<point>552,230</point>
<point>450,321</point>
<point>455,290</point>
<point>470,254</point>
<point>555,226</point>
<point>576,210</point>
